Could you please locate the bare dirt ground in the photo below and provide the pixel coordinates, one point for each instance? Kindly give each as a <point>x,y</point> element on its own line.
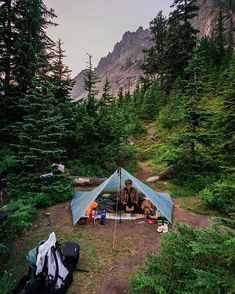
<point>144,172</point>
<point>190,218</point>
<point>111,269</point>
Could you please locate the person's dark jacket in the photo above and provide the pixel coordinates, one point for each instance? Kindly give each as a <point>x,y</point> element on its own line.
<point>124,194</point>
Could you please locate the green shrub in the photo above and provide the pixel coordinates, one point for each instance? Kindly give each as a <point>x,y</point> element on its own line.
<point>17,222</point>
<point>14,226</point>
<point>135,128</point>
<point>80,168</point>
<point>58,189</point>
<point>6,283</point>
<point>195,182</point>
<point>220,195</point>
<point>191,261</point>
<point>41,200</point>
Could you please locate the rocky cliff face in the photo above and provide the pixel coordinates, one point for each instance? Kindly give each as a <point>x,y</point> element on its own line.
<point>208,15</point>
<point>121,66</point>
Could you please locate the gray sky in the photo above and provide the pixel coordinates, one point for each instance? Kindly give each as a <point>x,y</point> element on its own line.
<point>95,26</point>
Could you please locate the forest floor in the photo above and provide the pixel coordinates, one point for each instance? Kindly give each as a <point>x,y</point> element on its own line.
<point>110,269</point>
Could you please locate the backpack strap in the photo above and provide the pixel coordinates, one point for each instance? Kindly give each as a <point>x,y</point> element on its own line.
<point>53,250</point>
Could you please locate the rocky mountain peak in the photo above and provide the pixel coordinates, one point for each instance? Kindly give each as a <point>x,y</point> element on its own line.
<point>208,15</point>
<point>121,66</point>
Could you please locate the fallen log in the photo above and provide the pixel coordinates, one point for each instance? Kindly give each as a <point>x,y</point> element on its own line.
<point>89,181</point>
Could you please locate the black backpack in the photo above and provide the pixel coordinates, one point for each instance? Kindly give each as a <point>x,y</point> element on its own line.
<point>44,283</point>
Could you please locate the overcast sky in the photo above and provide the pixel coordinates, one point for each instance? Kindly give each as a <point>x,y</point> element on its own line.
<point>95,26</point>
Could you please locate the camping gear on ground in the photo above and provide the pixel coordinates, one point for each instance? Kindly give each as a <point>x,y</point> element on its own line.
<point>107,202</point>
<point>147,205</point>
<point>125,216</point>
<point>83,199</point>
<point>82,221</point>
<point>71,254</point>
<point>46,177</point>
<point>96,217</point>
<point>103,217</point>
<point>91,208</point>
<point>49,254</point>
<point>161,220</point>
<point>163,228</point>
<point>90,216</point>
<point>159,229</point>
<point>47,216</point>
<point>49,270</point>
<point>59,166</point>
<point>150,221</point>
<point>157,214</point>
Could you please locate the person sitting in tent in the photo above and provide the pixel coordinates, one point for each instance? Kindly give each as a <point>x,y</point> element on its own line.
<point>129,198</point>
<point>147,207</point>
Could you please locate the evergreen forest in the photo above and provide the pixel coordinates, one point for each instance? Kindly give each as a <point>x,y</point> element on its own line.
<point>186,91</point>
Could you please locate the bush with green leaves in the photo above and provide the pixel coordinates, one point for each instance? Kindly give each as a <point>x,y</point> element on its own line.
<point>220,195</point>
<point>58,189</point>
<point>15,225</point>
<point>80,168</point>
<point>191,261</point>
<point>6,283</point>
<point>135,127</point>
<point>28,198</point>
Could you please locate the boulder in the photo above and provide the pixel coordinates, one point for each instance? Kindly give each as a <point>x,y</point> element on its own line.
<point>153,179</point>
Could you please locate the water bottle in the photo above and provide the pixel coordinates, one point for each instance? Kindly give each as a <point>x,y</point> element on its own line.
<point>103,217</point>
<point>96,217</point>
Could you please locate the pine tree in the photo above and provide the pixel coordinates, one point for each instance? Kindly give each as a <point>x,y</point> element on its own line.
<point>151,103</point>
<point>219,39</point>
<point>191,261</point>
<point>190,156</point>
<point>90,81</point>
<point>222,44</point>
<point>180,40</point>
<point>137,99</point>
<point>60,74</point>
<point>154,59</point>
<point>120,96</point>
<point>41,131</point>
<point>7,38</point>
<point>144,83</point>
<point>23,44</point>
<point>8,97</point>
<point>32,19</point>
<point>106,99</point>
<point>228,121</point>
<point>61,85</point>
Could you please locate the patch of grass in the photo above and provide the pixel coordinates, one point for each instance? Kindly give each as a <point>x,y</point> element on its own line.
<point>132,167</point>
<point>195,205</point>
<point>159,167</point>
<point>97,254</point>
<point>173,189</point>
<point>181,191</point>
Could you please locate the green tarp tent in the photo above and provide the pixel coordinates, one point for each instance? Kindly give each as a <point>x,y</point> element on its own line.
<point>82,200</point>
